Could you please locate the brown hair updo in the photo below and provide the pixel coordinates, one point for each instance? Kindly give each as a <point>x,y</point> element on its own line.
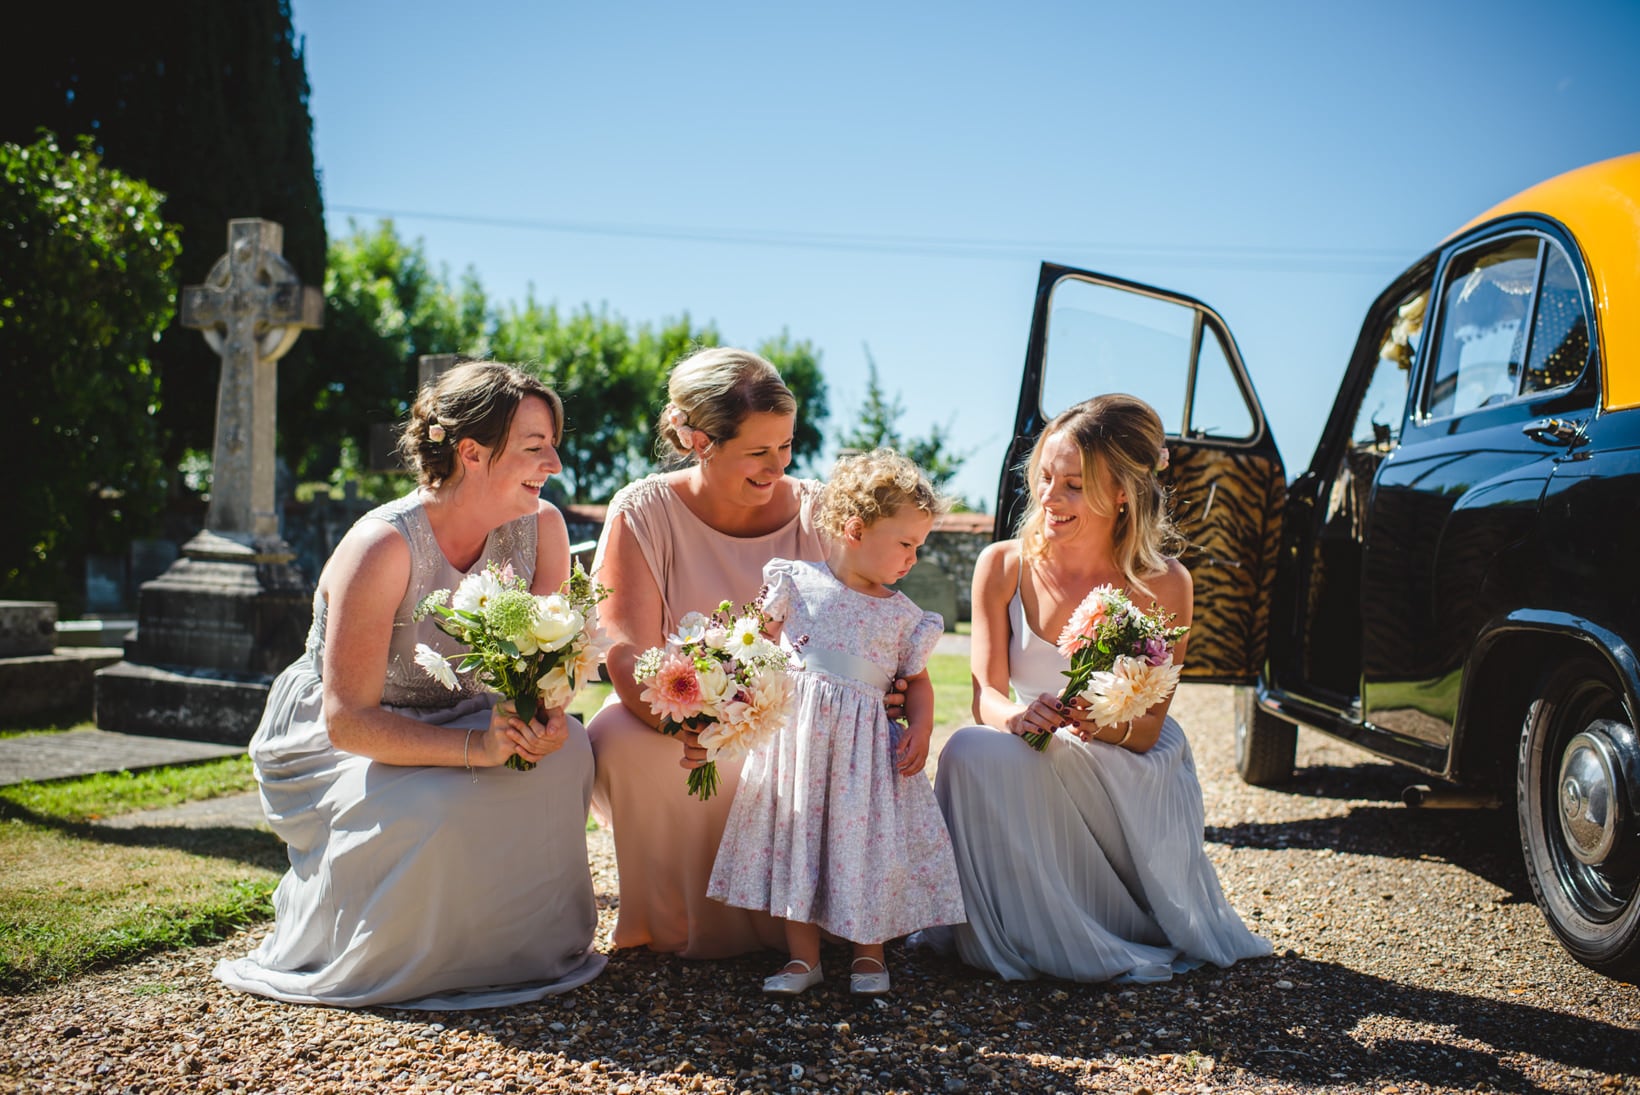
<point>476,399</point>
<point>1121,440</point>
<point>713,391</point>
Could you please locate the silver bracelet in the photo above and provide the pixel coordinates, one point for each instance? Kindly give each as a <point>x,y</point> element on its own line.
<point>1123,739</point>
<point>465,746</point>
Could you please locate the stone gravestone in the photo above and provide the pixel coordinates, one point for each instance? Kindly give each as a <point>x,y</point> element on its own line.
<point>932,590</point>
<point>214,628</point>
<point>384,436</point>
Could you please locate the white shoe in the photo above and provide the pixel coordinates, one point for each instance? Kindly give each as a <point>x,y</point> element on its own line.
<point>869,982</point>
<point>790,983</point>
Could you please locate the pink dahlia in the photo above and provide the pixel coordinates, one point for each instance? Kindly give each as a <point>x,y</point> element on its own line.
<point>1084,622</point>
<point>673,693</point>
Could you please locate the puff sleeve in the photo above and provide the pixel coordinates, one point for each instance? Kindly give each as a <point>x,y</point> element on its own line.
<point>919,645</point>
<point>779,575</point>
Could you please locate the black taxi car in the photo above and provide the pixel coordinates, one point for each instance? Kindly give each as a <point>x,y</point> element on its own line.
<point>1452,583</point>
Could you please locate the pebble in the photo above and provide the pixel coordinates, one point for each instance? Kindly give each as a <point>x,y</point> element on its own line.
<point>1507,1009</point>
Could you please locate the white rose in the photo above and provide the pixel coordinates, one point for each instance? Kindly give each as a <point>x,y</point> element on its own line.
<point>717,638</point>
<point>556,622</point>
<point>717,688</point>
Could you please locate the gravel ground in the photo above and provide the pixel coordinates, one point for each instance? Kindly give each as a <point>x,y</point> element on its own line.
<point>1410,958</point>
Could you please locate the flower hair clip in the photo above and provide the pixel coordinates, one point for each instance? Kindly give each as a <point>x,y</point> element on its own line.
<point>1162,459</point>
<point>435,433</point>
<point>680,425</point>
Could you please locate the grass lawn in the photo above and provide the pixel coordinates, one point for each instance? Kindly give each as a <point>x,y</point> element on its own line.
<point>75,896</point>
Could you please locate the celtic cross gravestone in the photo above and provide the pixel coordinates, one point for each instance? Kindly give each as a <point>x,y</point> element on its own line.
<point>233,610</point>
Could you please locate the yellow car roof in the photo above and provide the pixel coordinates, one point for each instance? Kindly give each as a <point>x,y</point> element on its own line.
<point>1600,205</point>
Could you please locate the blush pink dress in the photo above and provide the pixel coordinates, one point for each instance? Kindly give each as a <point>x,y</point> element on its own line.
<point>666,839</point>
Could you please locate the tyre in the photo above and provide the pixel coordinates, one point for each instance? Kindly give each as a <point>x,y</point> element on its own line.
<point>1577,786</point>
<point>1265,745</point>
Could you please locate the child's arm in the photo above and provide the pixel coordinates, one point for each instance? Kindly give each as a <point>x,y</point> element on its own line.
<point>919,717</point>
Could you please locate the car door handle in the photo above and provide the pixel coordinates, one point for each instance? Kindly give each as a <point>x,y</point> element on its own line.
<point>1553,431</point>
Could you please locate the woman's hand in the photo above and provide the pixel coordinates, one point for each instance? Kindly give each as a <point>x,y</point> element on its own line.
<point>694,754</point>
<point>894,700</point>
<point>913,752</point>
<point>532,741</point>
<point>1044,715</point>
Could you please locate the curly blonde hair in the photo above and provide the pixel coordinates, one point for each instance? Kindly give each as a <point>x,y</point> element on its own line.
<point>874,485</point>
<point>476,399</point>
<point>1122,443</point>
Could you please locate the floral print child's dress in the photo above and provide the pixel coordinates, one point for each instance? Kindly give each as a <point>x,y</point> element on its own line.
<point>823,829</point>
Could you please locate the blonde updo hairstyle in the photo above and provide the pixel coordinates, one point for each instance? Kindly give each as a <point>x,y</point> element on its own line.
<point>1122,441</point>
<point>713,391</point>
<point>476,399</point>
<point>871,486</point>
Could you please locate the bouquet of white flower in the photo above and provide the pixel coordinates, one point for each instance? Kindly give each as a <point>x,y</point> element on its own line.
<point>537,651</point>
<point>721,676</point>
<point>1121,659</point>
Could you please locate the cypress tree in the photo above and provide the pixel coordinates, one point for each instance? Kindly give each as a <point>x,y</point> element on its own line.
<point>208,102</point>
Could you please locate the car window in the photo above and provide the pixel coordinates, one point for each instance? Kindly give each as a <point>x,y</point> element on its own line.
<point>1217,407</point>
<point>1560,330</point>
<point>1486,303</point>
<point>1378,417</point>
<point>1103,338</point>
<point>1513,323</point>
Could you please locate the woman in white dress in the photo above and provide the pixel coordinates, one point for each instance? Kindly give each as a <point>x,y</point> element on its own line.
<point>1085,861</point>
<point>423,873</point>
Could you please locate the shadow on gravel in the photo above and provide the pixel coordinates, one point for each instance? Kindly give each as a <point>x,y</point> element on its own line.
<point>656,1021</point>
<point>1484,842</point>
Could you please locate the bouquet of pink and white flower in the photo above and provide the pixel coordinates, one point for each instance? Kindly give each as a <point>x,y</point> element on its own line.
<point>1121,659</point>
<point>535,650</point>
<point>721,676</point>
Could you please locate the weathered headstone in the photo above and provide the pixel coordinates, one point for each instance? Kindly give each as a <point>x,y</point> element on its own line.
<point>384,436</point>
<point>932,590</point>
<point>221,620</point>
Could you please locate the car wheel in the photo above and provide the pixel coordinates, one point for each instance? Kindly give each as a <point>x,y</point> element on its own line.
<point>1265,745</point>
<point>1577,786</point>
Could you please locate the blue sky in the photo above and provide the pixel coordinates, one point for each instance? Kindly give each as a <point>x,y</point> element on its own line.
<point>891,175</point>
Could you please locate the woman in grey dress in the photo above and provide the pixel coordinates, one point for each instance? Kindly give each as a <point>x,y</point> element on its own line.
<point>423,873</point>
<point>1084,861</point>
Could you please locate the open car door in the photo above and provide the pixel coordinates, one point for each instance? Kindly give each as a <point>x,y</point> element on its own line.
<point>1092,334</point>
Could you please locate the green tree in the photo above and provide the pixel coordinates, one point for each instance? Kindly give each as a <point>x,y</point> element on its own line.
<point>385,306</point>
<point>208,102</point>
<point>612,379</point>
<point>878,426</point>
<point>86,285</point>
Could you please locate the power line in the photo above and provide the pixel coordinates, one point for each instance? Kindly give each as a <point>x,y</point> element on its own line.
<point>1247,257</point>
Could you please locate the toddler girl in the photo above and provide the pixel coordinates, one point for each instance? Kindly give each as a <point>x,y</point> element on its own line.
<point>833,826</point>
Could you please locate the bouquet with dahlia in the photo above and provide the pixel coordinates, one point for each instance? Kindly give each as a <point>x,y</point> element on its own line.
<point>536,651</point>
<point>1121,658</point>
<point>721,676</point>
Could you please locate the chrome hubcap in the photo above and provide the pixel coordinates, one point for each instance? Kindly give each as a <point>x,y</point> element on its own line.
<point>1588,788</point>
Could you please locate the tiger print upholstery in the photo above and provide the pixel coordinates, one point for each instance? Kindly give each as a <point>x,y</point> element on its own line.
<point>1227,504</point>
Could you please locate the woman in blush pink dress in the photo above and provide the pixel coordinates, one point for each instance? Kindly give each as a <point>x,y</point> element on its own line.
<point>673,543</point>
